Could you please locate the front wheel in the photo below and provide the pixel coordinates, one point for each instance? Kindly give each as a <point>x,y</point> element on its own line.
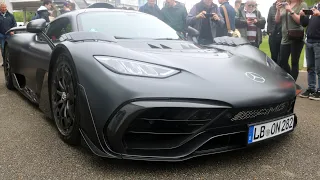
<point>63,95</point>
<point>7,69</point>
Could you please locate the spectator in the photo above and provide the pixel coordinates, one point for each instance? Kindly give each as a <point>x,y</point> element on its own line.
<point>174,14</point>
<point>250,22</point>
<point>274,32</point>
<point>288,16</point>
<point>65,8</point>
<point>205,16</point>
<point>231,13</point>
<point>312,52</point>
<point>7,21</point>
<point>72,6</point>
<point>151,8</point>
<point>43,11</point>
<point>237,5</point>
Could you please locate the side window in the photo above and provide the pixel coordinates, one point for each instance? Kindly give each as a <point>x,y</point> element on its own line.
<point>58,28</point>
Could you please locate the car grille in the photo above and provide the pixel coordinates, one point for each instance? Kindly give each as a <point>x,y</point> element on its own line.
<point>167,128</point>
<point>177,132</point>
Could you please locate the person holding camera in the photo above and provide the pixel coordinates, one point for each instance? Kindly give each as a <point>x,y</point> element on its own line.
<point>250,23</point>
<point>311,20</point>
<point>205,17</point>
<point>292,34</point>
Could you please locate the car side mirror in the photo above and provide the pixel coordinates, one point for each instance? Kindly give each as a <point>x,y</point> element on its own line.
<point>36,26</point>
<point>193,34</point>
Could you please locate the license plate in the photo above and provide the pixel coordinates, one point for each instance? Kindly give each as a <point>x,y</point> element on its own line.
<point>270,129</point>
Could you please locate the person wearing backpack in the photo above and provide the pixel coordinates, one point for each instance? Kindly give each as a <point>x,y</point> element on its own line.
<point>43,11</point>
<point>229,14</point>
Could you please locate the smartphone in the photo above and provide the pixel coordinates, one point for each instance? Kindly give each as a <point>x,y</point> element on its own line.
<point>308,12</point>
<point>208,15</point>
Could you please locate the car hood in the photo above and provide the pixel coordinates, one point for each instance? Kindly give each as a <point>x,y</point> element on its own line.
<point>204,62</point>
<point>220,71</point>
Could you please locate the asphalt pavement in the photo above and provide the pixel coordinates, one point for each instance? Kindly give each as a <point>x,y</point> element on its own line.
<point>31,149</point>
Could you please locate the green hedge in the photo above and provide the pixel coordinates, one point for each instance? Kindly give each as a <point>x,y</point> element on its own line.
<point>311,2</point>
<point>19,16</point>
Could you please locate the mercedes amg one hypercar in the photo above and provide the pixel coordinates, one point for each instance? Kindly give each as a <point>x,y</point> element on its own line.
<point>128,86</point>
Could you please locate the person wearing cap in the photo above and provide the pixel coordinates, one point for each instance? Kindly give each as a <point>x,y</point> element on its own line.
<point>250,22</point>
<point>65,8</point>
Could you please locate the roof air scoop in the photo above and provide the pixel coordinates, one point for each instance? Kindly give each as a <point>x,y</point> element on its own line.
<point>154,47</point>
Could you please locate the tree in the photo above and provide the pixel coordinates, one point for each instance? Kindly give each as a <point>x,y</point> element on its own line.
<point>19,16</point>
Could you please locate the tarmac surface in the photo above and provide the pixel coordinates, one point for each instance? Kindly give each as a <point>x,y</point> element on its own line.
<point>31,149</point>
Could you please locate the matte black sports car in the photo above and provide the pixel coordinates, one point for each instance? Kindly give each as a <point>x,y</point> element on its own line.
<point>130,87</point>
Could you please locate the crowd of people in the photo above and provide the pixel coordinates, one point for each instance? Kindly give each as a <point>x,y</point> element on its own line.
<point>212,20</point>
<point>287,37</point>
<point>286,20</point>
<point>286,29</point>
<point>49,11</point>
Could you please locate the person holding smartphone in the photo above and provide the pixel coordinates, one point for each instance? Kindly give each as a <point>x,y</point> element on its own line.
<point>205,17</point>
<point>292,34</point>
<point>250,23</point>
<point>311,19</point>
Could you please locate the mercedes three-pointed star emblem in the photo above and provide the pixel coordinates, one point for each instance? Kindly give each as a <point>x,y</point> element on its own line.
<point>255,77</point>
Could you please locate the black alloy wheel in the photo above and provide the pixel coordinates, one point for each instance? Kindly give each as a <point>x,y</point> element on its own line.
<point>63,99</point>
<point>7,69</point>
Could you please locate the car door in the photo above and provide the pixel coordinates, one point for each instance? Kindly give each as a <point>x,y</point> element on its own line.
<point>39,50</point>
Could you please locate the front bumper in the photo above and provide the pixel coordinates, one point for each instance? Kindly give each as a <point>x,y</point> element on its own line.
<point>173,130</point>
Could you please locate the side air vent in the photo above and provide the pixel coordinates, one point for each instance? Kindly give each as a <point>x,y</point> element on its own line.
<point>164,47</point>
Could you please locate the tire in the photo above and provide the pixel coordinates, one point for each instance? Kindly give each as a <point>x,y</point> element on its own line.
<point>7,69</point>
<point>63,92</point>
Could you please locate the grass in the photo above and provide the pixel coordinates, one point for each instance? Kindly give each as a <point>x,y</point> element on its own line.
<point>265,48</point>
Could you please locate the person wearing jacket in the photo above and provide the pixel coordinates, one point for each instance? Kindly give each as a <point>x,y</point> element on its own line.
<point>312,52</point>
<point>7,21</point>
<point>174,14</point>
<point>65,8</point>
<point>250,23</point>
<point>151,8</point>
<point>43,11</point>
<point>205,17</point>
<point>274,31</point>
<point>231,12</point>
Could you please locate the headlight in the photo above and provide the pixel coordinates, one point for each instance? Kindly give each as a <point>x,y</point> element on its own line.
<point>135,68</point>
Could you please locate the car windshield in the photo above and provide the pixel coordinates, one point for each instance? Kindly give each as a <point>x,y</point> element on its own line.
<point>126,25</point>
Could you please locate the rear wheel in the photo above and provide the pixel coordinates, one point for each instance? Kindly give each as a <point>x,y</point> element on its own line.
<point>7,69</point>
<point>63,95</point>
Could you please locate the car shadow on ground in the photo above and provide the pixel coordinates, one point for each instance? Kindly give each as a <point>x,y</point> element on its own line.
<point>217,161</point>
